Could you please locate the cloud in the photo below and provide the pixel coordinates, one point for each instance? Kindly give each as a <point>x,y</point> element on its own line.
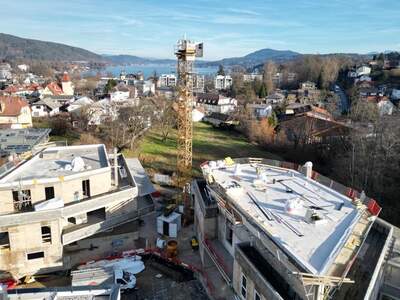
<point>127,21</point>
<point>244,11</point>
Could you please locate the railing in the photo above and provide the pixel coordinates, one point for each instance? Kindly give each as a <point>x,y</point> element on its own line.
<point>218,261</point>
<point>69,210</point>
<point>71,235</point>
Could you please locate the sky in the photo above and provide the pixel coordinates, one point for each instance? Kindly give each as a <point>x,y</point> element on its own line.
<point>228,28</point>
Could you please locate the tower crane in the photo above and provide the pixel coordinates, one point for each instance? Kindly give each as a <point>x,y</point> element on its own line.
<point>186,51</point>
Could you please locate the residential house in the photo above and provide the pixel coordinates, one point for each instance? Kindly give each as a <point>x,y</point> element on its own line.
<point>167,92</point>
<point>363,70</point>
<point>198,114</point>
<point>307,124</point>
<point>53,89</point>
<point>79,103</point>
<point>308,85</point>
<point>308,93</point>
<point>5,72</point>
<point>259,110</point>
<point>45,107</point>
<point>363,78</point>
<point>221,120</point>
<point>275,98</point>
<point>71,203</point>
<point>222,82</point>
<point>61,99</point>
<point>23,67</point>
<point>122,92</point>
<point>145,88</point>
<point>215,103</point>
<point>14,113</point>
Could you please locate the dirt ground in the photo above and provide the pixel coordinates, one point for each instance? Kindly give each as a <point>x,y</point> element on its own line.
<point>160,282</point>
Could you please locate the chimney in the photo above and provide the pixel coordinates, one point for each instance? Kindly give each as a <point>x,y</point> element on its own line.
<point>307,169</point>
<point>115,167</point>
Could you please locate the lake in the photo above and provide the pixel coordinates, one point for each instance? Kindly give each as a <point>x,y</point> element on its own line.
<point>148,70</point>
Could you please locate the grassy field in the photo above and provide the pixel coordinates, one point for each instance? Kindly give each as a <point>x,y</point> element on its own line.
<point>208,144</point>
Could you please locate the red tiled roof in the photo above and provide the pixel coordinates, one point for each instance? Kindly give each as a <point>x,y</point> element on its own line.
<point>11,106</point>
<point>55,88</point>
<point>65,77</point>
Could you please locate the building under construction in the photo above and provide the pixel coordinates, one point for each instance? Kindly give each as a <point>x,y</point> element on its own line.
<point>277,230</point>
<point>65,205</point>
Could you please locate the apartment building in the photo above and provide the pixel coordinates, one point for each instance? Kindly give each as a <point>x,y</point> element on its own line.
<point>223,82</point>
<point>276,230</point>
<point>167,80</point>
<point>59,198</point>
<point>252,77</point>
<point>198,83</point>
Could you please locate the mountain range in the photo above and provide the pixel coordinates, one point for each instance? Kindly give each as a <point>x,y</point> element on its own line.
<point>13,47</point>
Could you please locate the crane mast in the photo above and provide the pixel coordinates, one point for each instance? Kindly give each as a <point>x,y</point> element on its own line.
<point>186,51</point>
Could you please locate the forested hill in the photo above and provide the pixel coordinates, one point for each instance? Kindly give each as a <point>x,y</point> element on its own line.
<point>257,57</point>
<point>13,47</point>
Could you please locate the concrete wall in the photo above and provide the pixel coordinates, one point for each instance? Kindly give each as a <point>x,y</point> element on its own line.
<point>100,246</point>
<point>264,292</point>
<point>28,239</point>
<point>65,189</point>
<point>205,227</point>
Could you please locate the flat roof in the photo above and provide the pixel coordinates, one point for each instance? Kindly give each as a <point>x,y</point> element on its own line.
<point>281,201</point>
<point>56,161</point>
<point>143,182</point>
<point>21,140</point>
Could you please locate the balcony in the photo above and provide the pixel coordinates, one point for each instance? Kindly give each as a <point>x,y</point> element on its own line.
<point>221,258</point>
<point>254,265</point>
<point>71,209</point>
<point>98,223</point>
<point>126,190</point>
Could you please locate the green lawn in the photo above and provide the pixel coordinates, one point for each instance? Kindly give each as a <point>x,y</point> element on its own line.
<point>208,144</point>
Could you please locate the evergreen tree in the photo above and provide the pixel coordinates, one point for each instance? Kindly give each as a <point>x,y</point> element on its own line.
<point>273,120</point>
<point>262,93</point>
<point>221,70</point>
<point>109,86</point>
<point>320,80</point>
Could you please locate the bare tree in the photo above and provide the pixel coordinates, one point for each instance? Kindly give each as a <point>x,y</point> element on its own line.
<point>166,116</point>
<point>131,122</point>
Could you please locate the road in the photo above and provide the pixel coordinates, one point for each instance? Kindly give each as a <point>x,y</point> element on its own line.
<point>344,101</point>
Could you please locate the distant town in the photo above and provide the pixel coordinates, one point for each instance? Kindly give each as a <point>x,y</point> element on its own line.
<point>254,180</point>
